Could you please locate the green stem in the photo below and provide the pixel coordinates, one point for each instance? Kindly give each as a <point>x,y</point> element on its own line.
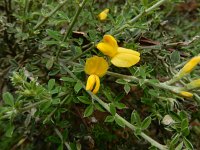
<point>106,106</point>
<point>72,25</point>
<point>146,137</point>
<point>74,20</point>
<point>23,109</point>
<point>50,14</point>
<point>172,81</point>
<point>51,114</point>
<point>140,15</point>
<point>146,81</point>
<point>33,105</point>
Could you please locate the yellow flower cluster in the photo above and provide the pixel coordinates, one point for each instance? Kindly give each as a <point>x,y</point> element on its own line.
<point>97,66</point>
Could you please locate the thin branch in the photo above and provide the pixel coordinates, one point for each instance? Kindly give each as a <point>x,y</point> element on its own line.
<point>139,16</point>
<point>164,86</point>
<point>185,43</point>
<point>71,25</point>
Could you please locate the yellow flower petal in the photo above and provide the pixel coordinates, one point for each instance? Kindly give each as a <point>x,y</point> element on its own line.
<point>186,94</point>
<point>90,82</point>
<point>125,60</point>
<point>127,51</point>
<point>107,49</point>
<point>96,65</point>
<point>189,66</point>
<point>97,86</point>
<point>103,15</point>
<point>110,40</point>
<point>108,46</point>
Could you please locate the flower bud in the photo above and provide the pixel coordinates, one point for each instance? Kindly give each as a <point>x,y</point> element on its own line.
<point>193,84</point>
<point>186,94</point>
<point>189,66</point>
<point>103,15</point>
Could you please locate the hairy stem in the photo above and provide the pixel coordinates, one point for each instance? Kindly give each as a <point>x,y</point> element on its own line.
<point>146,81</point>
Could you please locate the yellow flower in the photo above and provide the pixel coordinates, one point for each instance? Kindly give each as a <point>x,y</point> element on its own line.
<point>186,94</point>
<point>103,15</point>
<point>189,66</point>
<point>193,84</point>
<point>120,57</point>
<point>95,67</point>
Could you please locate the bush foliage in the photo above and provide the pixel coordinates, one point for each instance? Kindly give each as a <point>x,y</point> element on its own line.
<point>43,49</point>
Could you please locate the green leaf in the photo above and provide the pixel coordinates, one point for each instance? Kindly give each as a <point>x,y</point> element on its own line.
<point>186,131</point>
<point>49,63</point>
<point>185,127</point>
<point>154,93</point>
<point>46,105</point>
<point>175,116</point>
<point>119,97</point>
<point>84,100</point>
<point>51,84</point>
<point>180,146</point>
<point>53,34</point>
<point>142,72</point>
<point>121,81</point>
<point>188,144</point>
<point>107,93</point>
<point>138,131</point>
<point>127,88</point>
<point>153,81</point>
<point>119,122</point>
<point>110,119</point>
<point>141,82</point>
<point>146,122</point>
<point>53,72</point>
<point>175,140</point>
<point>50,42</point>
<point>135,118</point>
<point>184,123</point>
<point>89,110</point>
<point>67,79</point>
<point>120,105</point>
<point>77,87</point>
<point>63,16</point>
<point>112,109</point>
<point>175,56</point>
<point>60,147</point>
<point>99,107</point>
<point>9,131</point>
<point>145,3</point>
<point>56,101</point>
<point>8,99</point>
